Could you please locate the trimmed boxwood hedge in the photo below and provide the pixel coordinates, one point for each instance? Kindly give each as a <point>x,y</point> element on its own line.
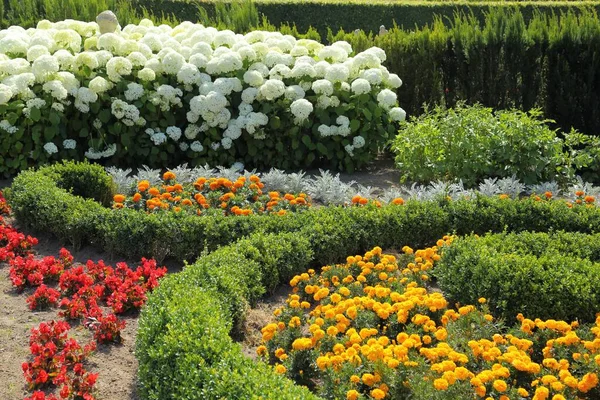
<point>58,199</point>
<point>542,275</point>
<point>184,344</point>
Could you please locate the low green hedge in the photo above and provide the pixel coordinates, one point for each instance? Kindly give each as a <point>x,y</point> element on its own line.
<point>541,275</point>
<point>183,343</point>
<point>41,200</point>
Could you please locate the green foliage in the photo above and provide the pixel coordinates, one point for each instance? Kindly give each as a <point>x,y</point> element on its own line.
<point>541,275</point>
<point>472,143</point>
<point>183,344</point>
<point>331,232</point>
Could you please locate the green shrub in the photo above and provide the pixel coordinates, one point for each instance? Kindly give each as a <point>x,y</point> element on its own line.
<point>183,344</point>
<point>472,143</point>
<point>538,274</point>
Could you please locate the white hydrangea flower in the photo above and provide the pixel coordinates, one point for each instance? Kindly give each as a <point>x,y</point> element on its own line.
<point>158,138</point>
<point>253,78</point>
<point>272,89</point>
<point>106,153</point>
<point>294,92</point>
<point>174,133</point>
<point>36,51</point>
<point>134,91</point>
<point>226,143</point>
<point>6,94</point>
<point>172,63</point>
<point>386,99</point>
<point>50,148</point>
<point>358,142</point>
<point>336,54</point>
<point>393,81</point>
<point>87,59</point>
<point>183,146</point>
<point>58,107</point>
<point>349,149</point>
<point>301,109</point>
<point>100,85</point>
<point>373,75</point>
<point>280,72</point>
<point>56,89</point>
<point>146,74</point>
<point>361,86</point>
<point>196,146</point>
<point>45,66</point>
<point>6,126</point>
<point>397,114</point>
<point>118,67</point>
<point>323,87</point>
<point>69,144</point>
<point>337,73</point>
<point>249,95</point>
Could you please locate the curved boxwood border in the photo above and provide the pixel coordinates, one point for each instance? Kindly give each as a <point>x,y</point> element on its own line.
<point>541,275</point>
<point>49,199</point>
<point>183,345</point>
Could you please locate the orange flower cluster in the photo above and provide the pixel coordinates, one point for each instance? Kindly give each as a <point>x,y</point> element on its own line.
<point>370,329</point>
<point>212,195</point>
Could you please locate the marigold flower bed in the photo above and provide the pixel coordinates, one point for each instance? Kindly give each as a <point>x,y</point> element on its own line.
<point>371,329</point>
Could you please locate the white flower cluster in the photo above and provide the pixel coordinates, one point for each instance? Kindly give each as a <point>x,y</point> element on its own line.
<point>73,64</point>
<point>341,129</point>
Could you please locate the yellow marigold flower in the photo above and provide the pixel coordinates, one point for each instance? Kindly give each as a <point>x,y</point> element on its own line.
<point>541,393</point>
<point>440,384</point>
<point>522,392</point>
<point>480,391</point>
<point>500,385</point>
<point>558,397</point>
<point>302,344</point>
<point>336,298</point>
<point>261,350</point>
<point>369,379</point>
<point>280,369</point>
<point>352,395</point>
<point>377,394</point>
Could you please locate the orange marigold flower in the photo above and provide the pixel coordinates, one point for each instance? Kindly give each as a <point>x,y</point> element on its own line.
<point>118,205</point>
<point>289,196</point>
<point>377,394</point>
<point>154,192</point>
<point>254,179</point>
<point>143,186</point>
<point>356,199</point>
<point>119,198</point>
<point>548,195</point>
<point>186,202</point>
<point>398,201</point>
<point>589,199</point>
<point>579,193</point>
<point>167,176</point>
<point>352,395</point>
<point>137,197</point>
<point>363,201</point>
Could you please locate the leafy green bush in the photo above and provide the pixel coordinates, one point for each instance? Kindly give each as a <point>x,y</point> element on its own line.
<point>472,143</point>
<point>538,274</point>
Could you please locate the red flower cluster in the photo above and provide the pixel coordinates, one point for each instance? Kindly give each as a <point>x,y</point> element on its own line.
<point>57,360</point>
<point>43,298</point>
<point>13,243</point>
<point>28,270</point>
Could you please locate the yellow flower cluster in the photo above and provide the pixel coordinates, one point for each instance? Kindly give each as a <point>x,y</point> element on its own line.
<point>372,329</point>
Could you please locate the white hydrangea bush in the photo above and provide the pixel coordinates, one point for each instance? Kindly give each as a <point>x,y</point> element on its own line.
<point>158,95</point>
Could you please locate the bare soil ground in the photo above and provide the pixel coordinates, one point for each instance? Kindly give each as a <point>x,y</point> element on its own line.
<point>116,364</point>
